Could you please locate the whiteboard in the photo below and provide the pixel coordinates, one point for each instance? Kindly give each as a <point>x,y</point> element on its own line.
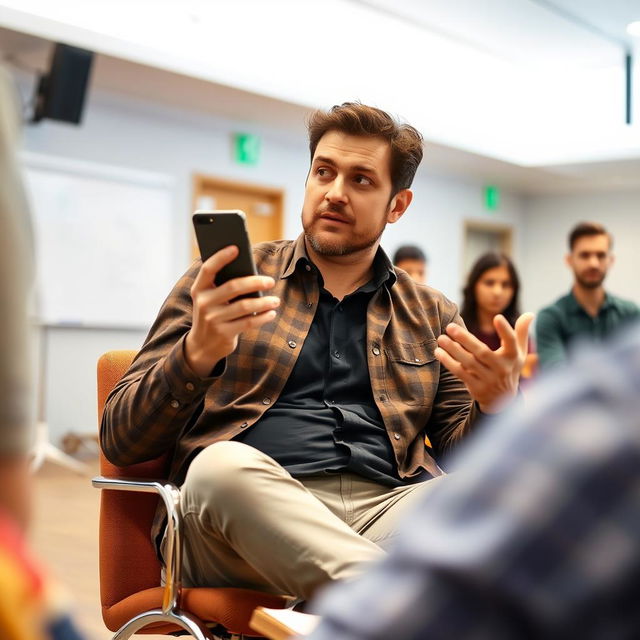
<point>104,242</point>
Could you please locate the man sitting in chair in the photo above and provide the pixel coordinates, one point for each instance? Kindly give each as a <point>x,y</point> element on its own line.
<point>298,419</point>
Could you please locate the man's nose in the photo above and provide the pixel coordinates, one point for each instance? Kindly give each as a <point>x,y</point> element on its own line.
<point>336,192</point>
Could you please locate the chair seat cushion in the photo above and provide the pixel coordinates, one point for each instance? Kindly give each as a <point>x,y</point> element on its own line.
<point>231,608</point>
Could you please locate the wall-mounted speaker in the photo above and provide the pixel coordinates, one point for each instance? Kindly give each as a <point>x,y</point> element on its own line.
<point>61,93</point>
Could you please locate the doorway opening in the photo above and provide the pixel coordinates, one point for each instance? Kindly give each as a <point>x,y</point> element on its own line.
<point>481,237</point>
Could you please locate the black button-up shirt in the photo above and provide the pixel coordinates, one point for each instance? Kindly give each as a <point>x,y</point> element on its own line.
<point>326,419</point>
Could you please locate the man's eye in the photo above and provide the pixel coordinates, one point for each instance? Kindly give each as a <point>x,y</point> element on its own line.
<point>362,180</point>
<point>322,172</point>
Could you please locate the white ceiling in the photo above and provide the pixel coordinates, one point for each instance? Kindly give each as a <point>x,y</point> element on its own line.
<point>529,91</point>
<point>533,33</point>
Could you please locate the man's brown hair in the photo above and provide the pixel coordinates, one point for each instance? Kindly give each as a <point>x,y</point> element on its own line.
<point>584,229</point>
<point>356,119</point>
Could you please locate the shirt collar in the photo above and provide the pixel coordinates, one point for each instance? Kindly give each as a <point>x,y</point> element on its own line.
<point>382,268</point>
<point>299,253</point>
<point>575,307</point>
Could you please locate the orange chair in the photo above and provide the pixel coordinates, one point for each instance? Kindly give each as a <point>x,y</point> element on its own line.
<point>132,599</point>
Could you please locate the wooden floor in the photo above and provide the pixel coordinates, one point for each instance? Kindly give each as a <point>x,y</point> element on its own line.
<point>64,535</point>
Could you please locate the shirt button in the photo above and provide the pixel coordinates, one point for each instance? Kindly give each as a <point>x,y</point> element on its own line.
<point>244,425</point>
<point>396,436</point>
<point>266,400</point>
<point>336,354</point>
<point>417,359</point>
<point>376,351</point>
<point>307,267</point>
<point>175,404</point>
<point>190,386</point>
<point>339,307</point>
<point>292,344</point>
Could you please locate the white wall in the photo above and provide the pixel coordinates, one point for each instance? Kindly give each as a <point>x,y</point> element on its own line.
<point>134,134</point>
<point>435,222</point>
<point>123,132</point>
<point>547,223</point>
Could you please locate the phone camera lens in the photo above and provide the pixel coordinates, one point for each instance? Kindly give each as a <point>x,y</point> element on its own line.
<point>210,219</point>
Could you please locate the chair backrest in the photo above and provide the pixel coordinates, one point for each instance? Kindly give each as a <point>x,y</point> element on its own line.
<point>128,562</point>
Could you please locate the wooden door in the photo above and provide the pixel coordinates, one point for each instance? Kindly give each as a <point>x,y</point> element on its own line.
<point>263,206</point>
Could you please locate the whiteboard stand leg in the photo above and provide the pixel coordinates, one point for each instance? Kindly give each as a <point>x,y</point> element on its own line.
<point>45,450</point>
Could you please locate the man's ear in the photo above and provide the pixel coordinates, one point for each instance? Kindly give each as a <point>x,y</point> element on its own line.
<point>398,205</point>
<point>567,261</point>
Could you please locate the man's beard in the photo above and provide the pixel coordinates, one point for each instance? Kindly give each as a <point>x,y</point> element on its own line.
<point>339,248</point>
<point>591,284</point>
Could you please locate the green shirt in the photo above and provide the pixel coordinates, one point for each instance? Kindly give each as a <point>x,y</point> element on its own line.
<point>560,323</point>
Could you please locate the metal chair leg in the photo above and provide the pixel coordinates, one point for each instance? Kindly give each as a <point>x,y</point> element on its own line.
<point>185,620</point>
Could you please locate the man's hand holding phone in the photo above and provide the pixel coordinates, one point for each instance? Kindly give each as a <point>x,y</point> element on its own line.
<point>219,316</point>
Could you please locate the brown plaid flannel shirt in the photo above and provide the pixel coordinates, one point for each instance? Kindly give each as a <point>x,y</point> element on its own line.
<point>161,405</point>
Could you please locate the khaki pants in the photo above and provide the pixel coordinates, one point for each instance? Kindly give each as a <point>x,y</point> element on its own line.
<point>248,523</point>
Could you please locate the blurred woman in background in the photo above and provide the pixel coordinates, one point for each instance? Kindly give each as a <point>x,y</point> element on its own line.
<point>493,287</point>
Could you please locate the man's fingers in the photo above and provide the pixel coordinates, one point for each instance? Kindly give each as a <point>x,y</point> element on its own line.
<point>460,354</point>
<point>250,322</point>
<point>469,342</point>
<point>242,286</point>
<point>465,338</point>
<point>523,323</point>
<point>507,335</point>
<point>242,308</point>
<point>453,365</point>
<point>236,288</point>
<point>209,269</point>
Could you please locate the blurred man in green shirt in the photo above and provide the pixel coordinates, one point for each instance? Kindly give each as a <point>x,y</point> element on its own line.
<point>587,311</point>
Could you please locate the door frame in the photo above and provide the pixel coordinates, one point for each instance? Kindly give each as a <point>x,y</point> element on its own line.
<point>504,229</point>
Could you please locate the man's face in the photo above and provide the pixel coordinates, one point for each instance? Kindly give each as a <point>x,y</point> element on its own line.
<point>347,200</point>
<point>590,260</point>
<point>417,269</point>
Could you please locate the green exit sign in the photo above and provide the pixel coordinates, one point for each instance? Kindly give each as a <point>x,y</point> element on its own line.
<point>246,148</point>
<point>491,197</point>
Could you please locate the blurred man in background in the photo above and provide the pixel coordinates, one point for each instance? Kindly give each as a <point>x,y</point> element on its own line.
<point>587,311</point>
<point>412,260</point>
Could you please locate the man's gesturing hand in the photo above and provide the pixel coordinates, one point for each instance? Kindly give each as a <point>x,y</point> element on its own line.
<point>489,375</point>
<point>217,322</point>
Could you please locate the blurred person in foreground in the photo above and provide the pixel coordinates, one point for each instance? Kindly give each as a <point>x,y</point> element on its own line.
<point>537,533</point>
<point>30,608</point>
<point>413,260</point>
<point>588,311</point>
<point>492,288</point>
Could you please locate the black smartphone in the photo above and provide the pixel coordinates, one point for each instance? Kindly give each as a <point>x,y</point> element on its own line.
<point>218,229</point>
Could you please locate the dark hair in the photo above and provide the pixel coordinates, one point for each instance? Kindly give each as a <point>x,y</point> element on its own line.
<point>485,262</point>
<point>409,252</point>
<point>584,229</point>
<point>356,119</point>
